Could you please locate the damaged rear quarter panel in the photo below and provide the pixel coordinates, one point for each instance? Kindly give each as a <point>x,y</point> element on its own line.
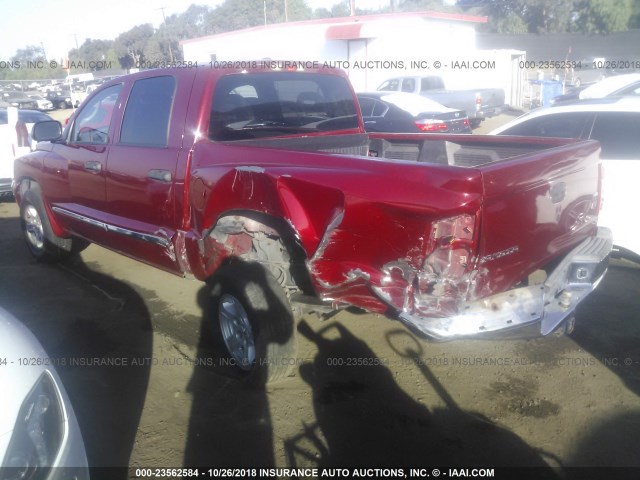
<point>354,217</point>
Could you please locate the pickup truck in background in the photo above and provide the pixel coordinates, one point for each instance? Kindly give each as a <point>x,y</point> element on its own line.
<point>478,103</point>
<point>264,184</point>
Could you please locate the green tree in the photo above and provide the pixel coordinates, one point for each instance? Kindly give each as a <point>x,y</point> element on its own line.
<point>550,16</point>
<point>634,20</point>
<point>511,23</point>
<point>130,45</point>
<point>30,63</point>
<point>603,16</point>
<point>424,5</point>
<point>239,14</point>
<point>95,54</point>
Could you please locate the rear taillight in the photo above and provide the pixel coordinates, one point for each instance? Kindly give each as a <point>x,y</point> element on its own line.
<point>452,241</point>
<point>446,275</point>
<point>431,125</point>
<point>600,202</point>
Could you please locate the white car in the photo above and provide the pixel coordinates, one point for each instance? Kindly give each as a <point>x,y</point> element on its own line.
<point>628,84</point>
<point>39,433</point>
<point>15,141</point>
<point>43,103</point>
<point>615,123</point>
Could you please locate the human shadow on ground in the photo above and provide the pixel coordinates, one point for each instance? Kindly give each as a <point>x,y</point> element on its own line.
<point>230,423</point>
<point>364,419</point>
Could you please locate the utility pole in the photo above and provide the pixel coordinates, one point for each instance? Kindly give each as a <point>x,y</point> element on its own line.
<point>164,20</point>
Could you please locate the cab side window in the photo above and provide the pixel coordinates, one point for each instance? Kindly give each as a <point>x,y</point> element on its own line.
<point>562,125</point>
<point>618,134</point>
<point>408,85</point>
<point>146,117</point>
<point>93,121</point>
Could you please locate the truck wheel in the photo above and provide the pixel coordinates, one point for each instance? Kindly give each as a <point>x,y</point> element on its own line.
<point>253,319</point>
<point>43,244</point>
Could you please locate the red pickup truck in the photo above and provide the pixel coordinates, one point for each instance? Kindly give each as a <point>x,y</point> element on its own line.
<point>264,183</point>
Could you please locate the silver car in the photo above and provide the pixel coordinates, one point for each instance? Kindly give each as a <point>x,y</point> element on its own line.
<point>39,433</point>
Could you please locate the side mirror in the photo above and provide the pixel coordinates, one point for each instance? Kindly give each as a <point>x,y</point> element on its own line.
<point>47,131</point>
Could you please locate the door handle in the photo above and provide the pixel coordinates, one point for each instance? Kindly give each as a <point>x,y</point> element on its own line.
<point>94,167</point>
<point>163,176</point>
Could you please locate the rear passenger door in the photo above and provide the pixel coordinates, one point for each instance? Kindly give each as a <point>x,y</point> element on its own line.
<point>143,188</point>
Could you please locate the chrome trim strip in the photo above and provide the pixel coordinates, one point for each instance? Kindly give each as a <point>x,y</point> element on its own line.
<point>145,237</point>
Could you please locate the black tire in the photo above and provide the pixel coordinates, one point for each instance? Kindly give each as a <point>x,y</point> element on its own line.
<point>475,122</point>
<point>250,290</point>
<point>43,244</point>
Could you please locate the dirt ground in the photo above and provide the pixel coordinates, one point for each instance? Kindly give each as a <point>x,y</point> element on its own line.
<point>364,392</point>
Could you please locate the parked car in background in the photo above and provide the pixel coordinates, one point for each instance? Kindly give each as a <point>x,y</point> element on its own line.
<point>19,100</point>
<point>615,123</point>
<point>15,142</point>
<point>616,86</point>
<point>585,72</point>
<point>42,103</point>
<point>39,434</point>
<point>61,99</point>
<point>28,117</point>
<point>406,112</point>
<point>478,103</point>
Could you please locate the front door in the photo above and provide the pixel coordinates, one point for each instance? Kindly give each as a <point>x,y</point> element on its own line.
<point>86,151</point>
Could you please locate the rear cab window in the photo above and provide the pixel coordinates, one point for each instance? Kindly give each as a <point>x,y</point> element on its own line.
<point>255,105</point>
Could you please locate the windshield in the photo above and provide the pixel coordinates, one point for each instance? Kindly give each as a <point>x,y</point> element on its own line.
<point>280,103</point>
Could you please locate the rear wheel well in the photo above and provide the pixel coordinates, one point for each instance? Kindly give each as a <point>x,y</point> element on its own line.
<point>273,243</point>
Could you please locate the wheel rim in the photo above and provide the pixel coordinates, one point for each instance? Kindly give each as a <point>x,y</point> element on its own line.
<point>33,227</point>
<point>237,332</point>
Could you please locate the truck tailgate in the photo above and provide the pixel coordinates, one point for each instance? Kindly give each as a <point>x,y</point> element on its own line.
<point>536,207</point>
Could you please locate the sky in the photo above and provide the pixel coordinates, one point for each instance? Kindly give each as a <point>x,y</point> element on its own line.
<point>58,25</point>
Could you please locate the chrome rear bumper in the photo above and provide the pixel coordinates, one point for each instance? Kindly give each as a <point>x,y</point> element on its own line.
<point>548,304</point>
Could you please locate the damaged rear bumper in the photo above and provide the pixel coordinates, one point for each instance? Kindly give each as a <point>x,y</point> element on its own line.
<point>546,305</point>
